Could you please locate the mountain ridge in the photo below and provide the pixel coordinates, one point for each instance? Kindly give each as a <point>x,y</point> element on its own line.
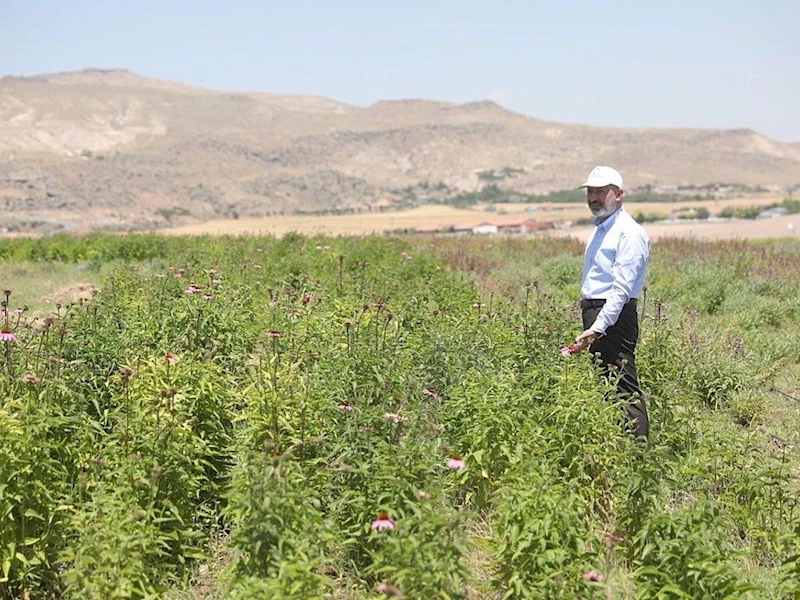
<point>115,149</point>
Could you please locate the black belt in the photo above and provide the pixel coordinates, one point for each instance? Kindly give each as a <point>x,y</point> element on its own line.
<point>598,302</point>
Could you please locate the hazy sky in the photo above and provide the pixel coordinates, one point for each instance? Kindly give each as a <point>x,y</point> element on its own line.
<point>704,63</point>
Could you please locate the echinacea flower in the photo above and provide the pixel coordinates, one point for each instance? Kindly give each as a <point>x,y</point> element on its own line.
<point>6,335</point>
<point>383,522</point>
<point>346,407</point>
<point>456,463</point>
<point>31,378</point>
<point>571,349</point>
<point>389,590</point>
<point>478,305</point>
<point>171,358</point>
<point>394,418</point>
<point>193,289</point>
<point>430,393</point>
<point>593,576</point>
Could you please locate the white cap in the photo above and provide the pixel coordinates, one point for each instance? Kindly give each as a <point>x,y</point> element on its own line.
<point>602,176</point>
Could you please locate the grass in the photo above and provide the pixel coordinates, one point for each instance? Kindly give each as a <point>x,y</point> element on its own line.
<point>44,285</point>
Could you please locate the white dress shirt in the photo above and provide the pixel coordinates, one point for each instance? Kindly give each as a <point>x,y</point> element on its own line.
<point>614,265</point>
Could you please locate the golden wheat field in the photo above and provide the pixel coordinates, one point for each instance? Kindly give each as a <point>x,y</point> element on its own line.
<point>562,215</point>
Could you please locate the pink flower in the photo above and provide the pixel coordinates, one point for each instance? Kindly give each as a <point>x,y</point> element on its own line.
<point>423,495</point>
<point>31,378</point>
<point>389,590</point>
<point>383,522</point>
<point>571,349</point>
<point>6,335</point>
<point>171,358</point>
<point>394,418</point>
<point>274,334</point>
<point>456,463</point>
<point>430,393</point>
<point>193,289</point>
<point>592,576</point>
<point>346,407</point>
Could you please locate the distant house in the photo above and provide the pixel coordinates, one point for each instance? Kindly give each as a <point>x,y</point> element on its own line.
<point>484,228</point>
<point>489,227</point>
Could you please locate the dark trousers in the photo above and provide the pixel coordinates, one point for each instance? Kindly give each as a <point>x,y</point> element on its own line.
<point>617,350</point>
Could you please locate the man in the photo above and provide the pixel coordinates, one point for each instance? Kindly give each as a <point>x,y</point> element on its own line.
<point>614,267</point>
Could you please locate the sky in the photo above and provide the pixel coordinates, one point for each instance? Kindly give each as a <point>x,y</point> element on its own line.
<point>719,64</point>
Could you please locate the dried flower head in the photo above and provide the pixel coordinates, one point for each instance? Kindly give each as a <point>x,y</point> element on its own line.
<point>389,590</point>
<point>394,418</point>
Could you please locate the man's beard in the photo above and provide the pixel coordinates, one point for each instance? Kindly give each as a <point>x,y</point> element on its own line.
<point>602,211</point>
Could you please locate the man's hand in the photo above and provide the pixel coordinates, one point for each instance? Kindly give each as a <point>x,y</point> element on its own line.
<point>586,339</point>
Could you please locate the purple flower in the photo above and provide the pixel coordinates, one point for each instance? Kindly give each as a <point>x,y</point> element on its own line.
<point>456,463</point>
<point>592,576</point>
<point>346,407</point>
<point>6,335</point>
<point>31,378</point>
<point>394,418</point>
<point>430,393</point>
<point>383,522</point>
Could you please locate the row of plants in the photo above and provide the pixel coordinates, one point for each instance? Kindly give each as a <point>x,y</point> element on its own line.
<point>366,418</point>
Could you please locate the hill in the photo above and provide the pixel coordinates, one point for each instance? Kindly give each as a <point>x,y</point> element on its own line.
<point>116,150</point>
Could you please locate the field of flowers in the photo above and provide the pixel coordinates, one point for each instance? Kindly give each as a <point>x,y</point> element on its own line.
<point>304,418</point>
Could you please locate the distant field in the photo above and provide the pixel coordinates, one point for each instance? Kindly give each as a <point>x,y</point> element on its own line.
<point>430,216</point>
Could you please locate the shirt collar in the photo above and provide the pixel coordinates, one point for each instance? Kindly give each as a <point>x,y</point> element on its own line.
<point>610,220</point>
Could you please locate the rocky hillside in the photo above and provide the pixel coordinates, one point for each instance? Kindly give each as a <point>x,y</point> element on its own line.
<point>112,149</point>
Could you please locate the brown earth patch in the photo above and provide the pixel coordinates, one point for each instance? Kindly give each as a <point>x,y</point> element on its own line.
<point>74,293</point>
